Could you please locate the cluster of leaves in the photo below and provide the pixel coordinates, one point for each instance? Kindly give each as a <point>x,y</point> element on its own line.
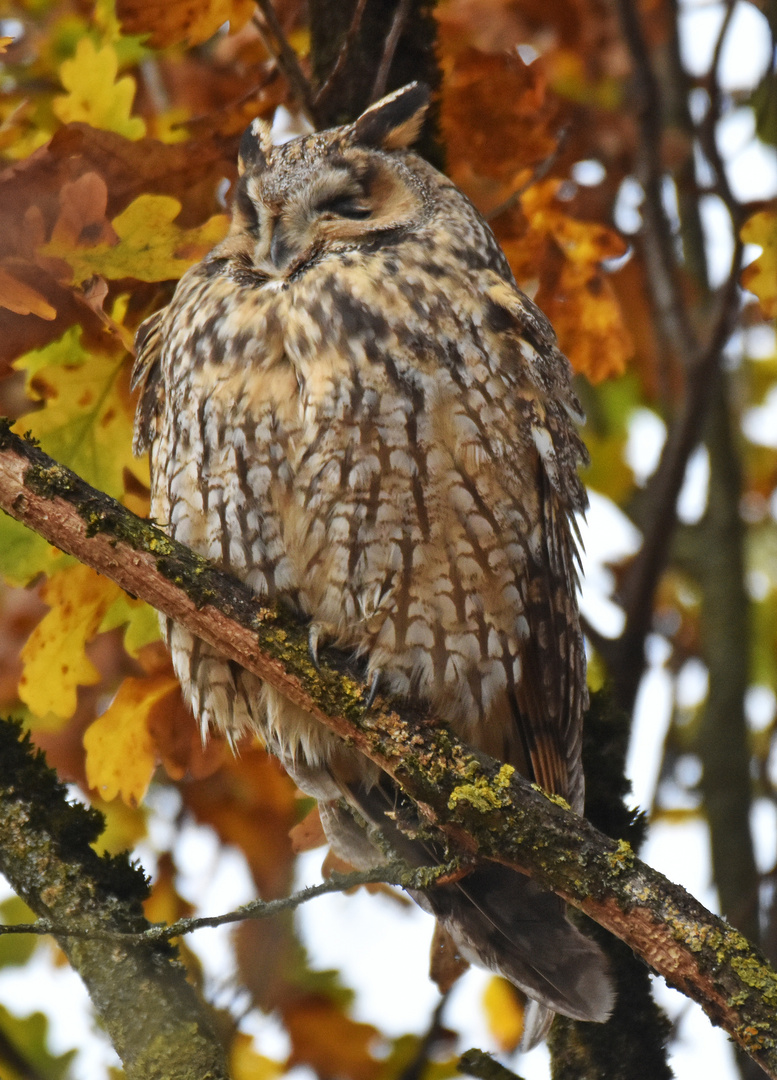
<point>118,134</point>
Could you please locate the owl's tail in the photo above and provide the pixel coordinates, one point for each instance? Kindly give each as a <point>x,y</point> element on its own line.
<point>498,918</point>
<point>502,921</point>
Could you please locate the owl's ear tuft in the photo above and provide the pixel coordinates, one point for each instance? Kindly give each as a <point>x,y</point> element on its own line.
<point>255,146</point>
<point>395,121</point>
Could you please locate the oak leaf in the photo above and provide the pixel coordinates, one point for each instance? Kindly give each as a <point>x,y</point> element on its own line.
<point>23,299</point>
<point>120,749</point>
<point>169,22</point>
<point>54,658</point>
<point>151,246</point>
<point>95,96</point>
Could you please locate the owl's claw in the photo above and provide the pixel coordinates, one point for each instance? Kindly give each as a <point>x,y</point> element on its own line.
<point>313,637</point>
<point>373,691</point>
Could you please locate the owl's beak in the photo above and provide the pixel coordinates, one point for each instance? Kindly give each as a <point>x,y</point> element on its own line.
<point>280,248</point>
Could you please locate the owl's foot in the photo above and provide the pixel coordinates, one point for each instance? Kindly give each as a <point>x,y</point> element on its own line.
<point>377,675</point>
<point>313,638</point>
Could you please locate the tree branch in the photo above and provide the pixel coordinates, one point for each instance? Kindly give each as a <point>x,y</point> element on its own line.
<point>159,1026</point>
<point>483,808</point>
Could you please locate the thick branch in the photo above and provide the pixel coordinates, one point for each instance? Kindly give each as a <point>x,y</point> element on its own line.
<point>485,809</point>
<point>156,1021</point>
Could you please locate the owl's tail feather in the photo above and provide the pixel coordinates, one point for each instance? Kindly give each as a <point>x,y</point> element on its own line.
<point>501,920</point>
<point>498,918</point>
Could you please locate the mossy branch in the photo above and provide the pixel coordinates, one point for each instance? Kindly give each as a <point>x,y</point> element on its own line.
<point>484,808</point>
<point>159,1026</point>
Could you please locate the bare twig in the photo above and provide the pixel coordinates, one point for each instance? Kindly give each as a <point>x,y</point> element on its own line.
<point>277,45</point>
<point>674,321</point>
<point>394,34</point>
<point>343,55</point>
<point>482,808</point>
<point>625,656</point>
<point>390,874</point>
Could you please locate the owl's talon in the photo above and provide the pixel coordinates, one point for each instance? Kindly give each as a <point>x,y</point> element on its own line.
<point>313,637</point>
<point>373,691</point>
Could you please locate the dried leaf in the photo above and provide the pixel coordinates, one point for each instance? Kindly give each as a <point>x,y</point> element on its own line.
<point>23,299</point>
<point>329,1041</point>
<point>169,22</point>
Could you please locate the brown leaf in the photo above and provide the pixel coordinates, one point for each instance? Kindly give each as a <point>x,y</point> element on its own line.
<point>169,22</point>
<point>330,1042</point>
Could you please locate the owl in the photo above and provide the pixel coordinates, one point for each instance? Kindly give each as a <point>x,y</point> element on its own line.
<point>350,406</point>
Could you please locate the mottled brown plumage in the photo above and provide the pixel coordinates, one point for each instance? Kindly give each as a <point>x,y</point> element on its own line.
<point>351,406</point>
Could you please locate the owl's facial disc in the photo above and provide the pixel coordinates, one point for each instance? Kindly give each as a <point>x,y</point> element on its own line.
<point>333,206</point>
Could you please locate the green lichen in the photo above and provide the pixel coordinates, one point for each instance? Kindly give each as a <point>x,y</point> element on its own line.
<point>622,858</point>
<point>483,794</point>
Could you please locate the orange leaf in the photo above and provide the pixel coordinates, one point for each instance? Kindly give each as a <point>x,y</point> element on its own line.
<point>23,299</point>
<point>330,1042</point>
<point>172,21</point>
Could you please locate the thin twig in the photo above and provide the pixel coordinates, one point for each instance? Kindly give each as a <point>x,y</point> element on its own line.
<point>343,55</point>
<point>396,873</point>
<point>392,40</point>
<point>278,46</point>
<point>674,321</point>
<point>624,656</point>
<point>416,1068</point>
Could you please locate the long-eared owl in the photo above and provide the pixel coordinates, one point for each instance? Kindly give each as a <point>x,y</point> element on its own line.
<point>350,405</point>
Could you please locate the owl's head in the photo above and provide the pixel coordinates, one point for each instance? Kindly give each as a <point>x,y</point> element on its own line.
<point>330,191</point>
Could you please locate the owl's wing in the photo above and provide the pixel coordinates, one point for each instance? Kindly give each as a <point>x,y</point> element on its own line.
<point>146,375</point>
<point>551,695</point>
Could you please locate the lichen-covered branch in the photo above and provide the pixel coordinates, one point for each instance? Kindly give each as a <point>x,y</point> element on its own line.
<point>159,1026</point>
<point>484,808</point>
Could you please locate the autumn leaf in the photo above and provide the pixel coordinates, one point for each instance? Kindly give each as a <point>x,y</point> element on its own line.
<point>23,299</point>
<point>504,1013</point>
<point>54,658</point>
<point>87,419</point>
<point>4,43</point>
<point>760,277</point>
<point>333,1044</point>
<point>150,248</point>
<point>246,1064</point>
<point>95,96</point>
<point>120,750</point>
<point>169,22</point>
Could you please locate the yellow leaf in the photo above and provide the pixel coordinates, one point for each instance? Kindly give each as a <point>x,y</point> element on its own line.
<point>87,420</point>
<point>246,1064</point>
<point>4,43</point>
<point>23,299</point>
<point>120,751</point>
<point>54,660</point>
<point>140,622</point>
<point>151,247</point>
<point>95,96</point>
<point>504,1013</point>
<point>760,277</point>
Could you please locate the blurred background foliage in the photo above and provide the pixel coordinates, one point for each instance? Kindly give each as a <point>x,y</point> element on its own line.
<point>624,155</point>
